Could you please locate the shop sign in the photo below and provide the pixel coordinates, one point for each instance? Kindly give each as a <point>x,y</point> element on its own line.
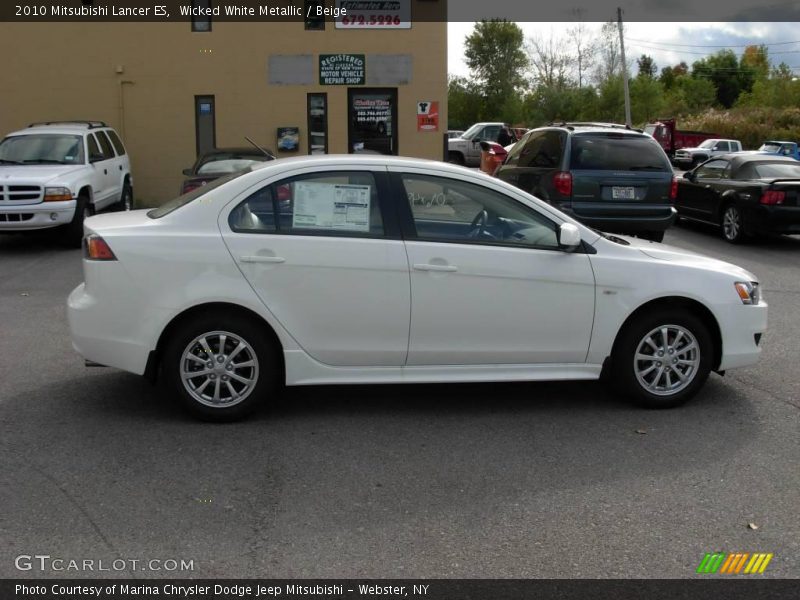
<point>373,14</point>
<point>427,116</point>
<point>341,69</point>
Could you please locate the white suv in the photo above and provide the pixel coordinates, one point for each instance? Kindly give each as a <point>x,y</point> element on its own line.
<point>56,174</point>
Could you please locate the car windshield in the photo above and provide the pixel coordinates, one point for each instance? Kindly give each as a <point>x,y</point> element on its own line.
<point>777,170</point>
<point>617,152</point>
<point>472,131</point>
<point>227,163</point>
<point>42,148</point>
<point>770,147</point>
<point>194,194</point>
<point>708,144</point>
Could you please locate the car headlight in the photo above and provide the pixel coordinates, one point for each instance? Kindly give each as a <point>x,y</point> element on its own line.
<point>57,194</point>
<point>748,291</point>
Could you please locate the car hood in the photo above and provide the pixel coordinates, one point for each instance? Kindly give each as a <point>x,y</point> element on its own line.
<point>35,173</point>
<point>685,257</point>
<point>693,149</point>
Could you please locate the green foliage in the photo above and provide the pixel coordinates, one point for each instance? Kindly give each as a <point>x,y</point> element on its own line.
<point>495,56</point>
<point>750,125</point>
<point>464,103</point>
<point>647,66</point>
<point>647,99</point>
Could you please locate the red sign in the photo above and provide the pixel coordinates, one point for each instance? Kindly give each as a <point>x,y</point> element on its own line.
<point>427,116</point>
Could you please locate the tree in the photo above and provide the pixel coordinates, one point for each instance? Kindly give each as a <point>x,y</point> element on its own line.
<point>610,58</point>
<point>585,48</point>
<point>647,98</point>
<point>670,74</point>
<point>495,56</point>
<point>550,59</point>
<point>464,103</point>
<point>723,70</point>
<point>647,66</point>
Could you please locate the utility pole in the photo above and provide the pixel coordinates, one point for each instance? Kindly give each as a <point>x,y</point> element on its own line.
<point>624,69</point>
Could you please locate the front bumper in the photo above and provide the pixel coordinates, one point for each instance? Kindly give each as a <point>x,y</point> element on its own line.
<point>29,217</point>
<point>742,328</point>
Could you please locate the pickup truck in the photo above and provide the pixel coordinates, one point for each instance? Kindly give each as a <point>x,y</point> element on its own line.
<point>672,139</point>
<point>466,149</point>
<point>789,149</point>
<point>691,157</point>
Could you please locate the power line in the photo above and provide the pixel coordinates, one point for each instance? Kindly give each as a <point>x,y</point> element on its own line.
<point>716,45</point>
<point>701,53</point>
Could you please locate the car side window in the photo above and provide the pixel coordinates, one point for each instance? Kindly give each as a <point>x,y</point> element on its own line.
<point>450,210</point>
<point>94,149</point>
<point>334,203</point>
<point>105,144</point>
<point>723,146</point>
<point>714,169</point>
<point>489,133</point>
<point>112,135</point>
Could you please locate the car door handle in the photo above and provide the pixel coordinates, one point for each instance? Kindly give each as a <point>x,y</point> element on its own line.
<point>441,268</point>
<point>262,259</point>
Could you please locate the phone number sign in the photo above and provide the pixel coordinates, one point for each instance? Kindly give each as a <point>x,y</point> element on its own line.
<point>373,14</point>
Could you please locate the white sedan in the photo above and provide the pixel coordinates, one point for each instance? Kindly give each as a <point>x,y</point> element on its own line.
<point>374,269</point>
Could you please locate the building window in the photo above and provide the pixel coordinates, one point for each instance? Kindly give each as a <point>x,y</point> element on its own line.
<point>205,124</point>
<point>318,123</point>
<point>201,22</point>
<point>313,22</point>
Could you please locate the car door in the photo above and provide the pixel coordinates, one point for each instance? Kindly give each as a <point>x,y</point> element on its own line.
<point>112,165</point>
<point>102,187</point>
<point>698,197</point>
<point>489,284</point>
<point>319,253</point>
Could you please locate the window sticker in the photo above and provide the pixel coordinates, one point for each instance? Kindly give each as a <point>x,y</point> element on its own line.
<point>337,207</point>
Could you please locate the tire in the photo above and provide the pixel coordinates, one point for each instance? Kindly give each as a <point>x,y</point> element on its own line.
<point>456,158</point>
<point>126,198</point>
<point>732,224</point>
<point>637,380</point>
<point>72,233</point>
<point>655,236</point>
<point>211,396</point>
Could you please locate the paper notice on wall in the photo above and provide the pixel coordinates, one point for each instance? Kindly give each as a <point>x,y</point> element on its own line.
<point>337,207</point>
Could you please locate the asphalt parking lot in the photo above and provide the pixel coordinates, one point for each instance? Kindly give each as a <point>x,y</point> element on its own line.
<point>511,480</point>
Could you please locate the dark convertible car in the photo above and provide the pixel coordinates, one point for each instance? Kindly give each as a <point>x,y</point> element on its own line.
<point>221,161</point>
<point>745,194</point>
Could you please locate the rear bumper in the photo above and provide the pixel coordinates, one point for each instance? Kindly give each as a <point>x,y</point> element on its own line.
<point>775,219</point>
<point>624,218</point>
<point>29,217</point>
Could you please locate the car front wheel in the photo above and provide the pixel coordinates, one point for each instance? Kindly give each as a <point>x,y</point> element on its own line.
<point>220,367</point>
<point>662,359</point>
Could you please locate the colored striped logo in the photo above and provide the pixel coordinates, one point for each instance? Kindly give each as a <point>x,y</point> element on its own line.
<point>735,563</point>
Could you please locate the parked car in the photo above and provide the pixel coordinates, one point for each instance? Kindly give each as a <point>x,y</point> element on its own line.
<point>789,149</point>
<point>606,176</point>
<point>492,156</point>
<point>745,194</point>
<point>218,162</point>
<point>691,157</point>
<point>232,297</point>
<point>672,139</point>
<point>55,174</point>
<point>466,150</point>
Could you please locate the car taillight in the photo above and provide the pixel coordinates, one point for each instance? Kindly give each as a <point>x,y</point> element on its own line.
<point>96,248</point>
<point>772,197</point>
<point>563,183</point>
<point>189,186</point>
<point>673,188</point>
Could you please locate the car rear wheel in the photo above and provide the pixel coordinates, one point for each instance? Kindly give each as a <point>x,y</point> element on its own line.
<point>220,366</point>
<point>126,199</point>
<point>733,224</point>
<point>662,359</point>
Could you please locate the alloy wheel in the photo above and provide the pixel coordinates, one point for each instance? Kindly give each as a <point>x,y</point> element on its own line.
<point>666,360</point>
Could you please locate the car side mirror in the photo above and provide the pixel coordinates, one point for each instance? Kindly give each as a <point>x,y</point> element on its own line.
<point>187,172</point>
<point>569,237</point>
<point>95,157</point>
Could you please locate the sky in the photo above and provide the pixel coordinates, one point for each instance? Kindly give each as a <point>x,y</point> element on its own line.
<point>667,43</point>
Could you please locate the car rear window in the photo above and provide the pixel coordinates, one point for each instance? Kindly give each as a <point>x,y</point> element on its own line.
<point>617,152</point>
<point>777,170</point>
<point>196,193</point>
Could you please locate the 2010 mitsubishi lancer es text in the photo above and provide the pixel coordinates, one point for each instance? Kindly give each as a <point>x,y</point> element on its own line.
<point>372,269</point>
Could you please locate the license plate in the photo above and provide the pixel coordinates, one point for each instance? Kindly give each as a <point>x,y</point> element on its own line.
<point>622,193</point>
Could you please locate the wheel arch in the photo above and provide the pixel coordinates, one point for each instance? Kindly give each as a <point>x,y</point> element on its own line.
<point>86,190</point>
<point>694,307</point>
<point>154,359</point>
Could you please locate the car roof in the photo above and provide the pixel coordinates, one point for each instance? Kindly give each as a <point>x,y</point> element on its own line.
<point>777,142</point>
<point>737,159</point>
<point>356,160</point>
<point>249,150</point>
<point>57,129</point>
